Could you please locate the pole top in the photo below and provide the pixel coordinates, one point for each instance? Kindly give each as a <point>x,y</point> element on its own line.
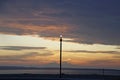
<point>60,36</point>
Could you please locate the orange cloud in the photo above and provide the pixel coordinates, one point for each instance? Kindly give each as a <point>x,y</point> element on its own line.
<point>37,29</point>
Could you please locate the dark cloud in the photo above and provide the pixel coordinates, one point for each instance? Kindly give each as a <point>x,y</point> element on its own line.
<point>8,30</point>
<point>85,51</point>
<point>85,21</point>
<point>19,48</point>
<point>118,48</point>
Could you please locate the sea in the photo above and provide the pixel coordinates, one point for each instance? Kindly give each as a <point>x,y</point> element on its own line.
<point>64,71</point>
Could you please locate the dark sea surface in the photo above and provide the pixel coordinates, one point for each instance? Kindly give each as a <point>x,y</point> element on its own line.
<point>65,71</point>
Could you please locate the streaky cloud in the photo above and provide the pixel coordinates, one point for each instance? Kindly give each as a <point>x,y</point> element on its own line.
<point>118,48</point>
<point>23,56</point>
<point>85,51</point>
<point>19,48</point>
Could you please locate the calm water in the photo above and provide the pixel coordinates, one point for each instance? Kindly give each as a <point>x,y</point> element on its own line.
<point>53,71</point>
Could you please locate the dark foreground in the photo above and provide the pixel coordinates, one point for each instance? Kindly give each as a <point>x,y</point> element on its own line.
<point>56,77</point>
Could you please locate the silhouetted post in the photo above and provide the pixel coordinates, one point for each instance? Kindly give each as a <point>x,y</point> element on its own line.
<point>103,73</point>
<point>60,56</point>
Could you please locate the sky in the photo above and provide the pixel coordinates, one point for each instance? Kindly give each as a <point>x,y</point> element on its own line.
<point>30,30</point>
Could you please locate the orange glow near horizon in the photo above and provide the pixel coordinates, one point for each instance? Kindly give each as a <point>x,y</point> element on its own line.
<point>51,53</point>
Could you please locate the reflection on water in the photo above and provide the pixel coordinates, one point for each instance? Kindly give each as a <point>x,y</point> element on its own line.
<point>55,71</point>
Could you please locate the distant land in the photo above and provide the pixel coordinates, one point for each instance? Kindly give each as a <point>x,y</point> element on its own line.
<point>47,68</point>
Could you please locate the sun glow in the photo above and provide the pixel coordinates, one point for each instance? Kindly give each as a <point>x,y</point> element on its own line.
<point>73,53</point>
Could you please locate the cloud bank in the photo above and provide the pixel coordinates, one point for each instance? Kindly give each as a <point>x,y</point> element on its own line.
<point>84,21</point>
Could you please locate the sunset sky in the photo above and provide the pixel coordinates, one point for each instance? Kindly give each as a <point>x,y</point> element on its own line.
<point>30,30</point>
